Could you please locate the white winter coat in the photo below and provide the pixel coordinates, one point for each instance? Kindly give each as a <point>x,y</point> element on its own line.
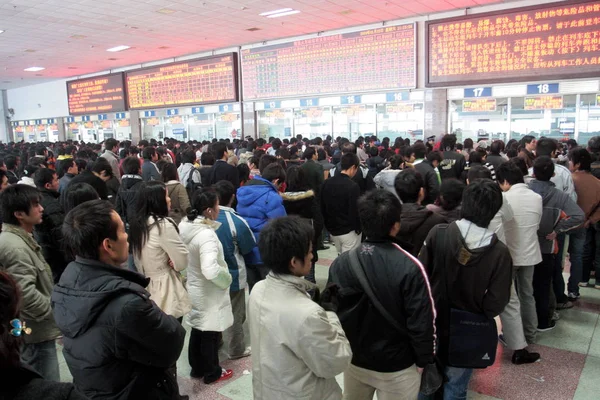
<point>211,305</point>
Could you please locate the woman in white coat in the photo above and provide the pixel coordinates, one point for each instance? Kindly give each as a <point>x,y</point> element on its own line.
<point>208,285</point>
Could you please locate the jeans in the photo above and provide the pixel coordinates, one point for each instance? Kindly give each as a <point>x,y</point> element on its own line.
<point>42,358</point>
<point>457,385</point>
<point>558,281</point>
<point>234,335</point>
<point>576,244</point>
<point>542,280</point>
<point>203,353</point>
<point>591,253</point>
<point>512,322</point>
<point>524,288</point>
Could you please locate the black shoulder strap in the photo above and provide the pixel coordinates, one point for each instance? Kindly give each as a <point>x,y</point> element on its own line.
<point>440,245</point>
<point>190,180</point>
<point>357,268</point>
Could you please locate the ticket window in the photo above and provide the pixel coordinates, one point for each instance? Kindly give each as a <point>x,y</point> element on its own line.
<point>354,120</point>
<point>152,128</point>
<point>403,120</point>
<point>313,122</point>
<point>589,118</point>
<point>53,132</point>
<point>73,131</point>
<point>30,135</point>
<point>19,133</point>
<point>41,133</point>
<point>122,129</point>
<point>201,127</point>
<point>89,132</point>
<point>479,119</point>
<point>228,125</point>
<point>276,123</point>
<point>552,117</point>
<point>175,127</point>
<point>105,130</point>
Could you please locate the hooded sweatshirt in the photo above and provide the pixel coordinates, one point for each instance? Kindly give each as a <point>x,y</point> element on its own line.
<point>415,223</point>
<point>126,196</point>
<point>385,180</point>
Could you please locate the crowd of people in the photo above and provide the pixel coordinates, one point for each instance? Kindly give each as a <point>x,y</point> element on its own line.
<point>114,247</point>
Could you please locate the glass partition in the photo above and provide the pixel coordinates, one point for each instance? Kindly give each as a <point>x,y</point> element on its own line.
<point>400,120</point>
<point>312,122</point>
<point>549,116</point>
<point>589,117</point>
<point>479,119</point>
<point>354,120</point>
<point>276,123</point>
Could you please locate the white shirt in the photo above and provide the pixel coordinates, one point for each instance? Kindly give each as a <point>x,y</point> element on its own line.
<point>502,217</point>
<point>521,231</point>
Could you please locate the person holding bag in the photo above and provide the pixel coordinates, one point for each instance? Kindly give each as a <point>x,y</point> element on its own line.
<point>470,272</point>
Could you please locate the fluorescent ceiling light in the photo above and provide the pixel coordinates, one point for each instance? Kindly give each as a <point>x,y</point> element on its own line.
<point>1,31</point>
<point>283,14</point>
<point>34,69</point>
<point>275,12</point>
<point>118,48</point>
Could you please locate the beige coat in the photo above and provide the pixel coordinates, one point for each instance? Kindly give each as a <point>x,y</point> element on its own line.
<point>297,347</point>
<point>179,201</point>
<point>166,288</point>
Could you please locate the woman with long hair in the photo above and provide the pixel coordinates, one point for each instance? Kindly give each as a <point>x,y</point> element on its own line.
<point>208,284</point>
<point>18,380</point>
<point>180,201</point>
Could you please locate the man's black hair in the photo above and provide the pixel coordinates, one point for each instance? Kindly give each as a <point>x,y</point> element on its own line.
<point>309,153</point>
<point>543,168</point>
<point>30,170</point>
<point>348,161</point>
<point>131,166</point>
<point>265,161</point>
<point>435,156</point>
<point>509,172</point>
<point>521,164</point>
<point>110,144</point>
<point>378,210</point>
<point>497,147</point>
<point>102,164</point>
<point>373,151</point>
<point>408,184</point>
<point>40,150</point>
<point>348,148</point>
<point>226,190</point>
<point>451,194</point>
<point>545,147</point>
<point>482,199</point>
<point>475,157</point>
<point>219,149</point>
<point>448,142</point>
<point>43,176</point>
<point>85,228</point>
<point>143,143</point>
<point>207,158</point>
<point>468,144</point>
<point>188,157</point>
<point>281,240</point>
<point>65,165</point>
<point>593,145</point>
<point>582,157</point>
<point>420,150</point>
<point>477,172</point>
<point>10,162</point>
<point>17,198</point>
<point>272,172</point>
<point>148,152</point>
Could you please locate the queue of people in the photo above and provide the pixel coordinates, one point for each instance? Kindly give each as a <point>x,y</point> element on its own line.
<point>116,253</point>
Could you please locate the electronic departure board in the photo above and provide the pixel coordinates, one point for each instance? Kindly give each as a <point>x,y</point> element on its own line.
<point>557,41</point>
<point>375,59</point>
<point>95,95</point>
<point>206,80</point>
<point>478,105</point>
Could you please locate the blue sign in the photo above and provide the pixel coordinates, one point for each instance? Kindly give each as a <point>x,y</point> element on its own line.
<point>38,121</point>
<point>50,120</point>
<point>272,104</point>
<point>85,118</point>
<point>477,92</point>
<point>309,102</point>
<point>178,131</point>
<point>102,117</point>
<point>172,111</point>
<point>225,108</point>
<point>120,115</point>
<point>402,96</point>
<point>26,123</point>
<point>543,88</point>
<point>75,131</point>
<point>351,99</point>
<point>70,119</point>
<point>149,114</point>
<point>197,110</point>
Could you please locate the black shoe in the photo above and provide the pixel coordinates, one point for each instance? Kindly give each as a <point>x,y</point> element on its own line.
<point>550,326</point>
<point>524,357</point>
<point>323,247</point>
<point>196,375</point>
<point>184,397</point>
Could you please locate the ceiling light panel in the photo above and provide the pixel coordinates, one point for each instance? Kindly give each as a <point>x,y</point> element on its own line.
<point>34,69</point>
<point>281,10</point>
<point>283,14</point>
<point>118,48</point>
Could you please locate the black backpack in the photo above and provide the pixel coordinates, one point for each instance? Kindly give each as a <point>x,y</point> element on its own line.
<point>190,185</point>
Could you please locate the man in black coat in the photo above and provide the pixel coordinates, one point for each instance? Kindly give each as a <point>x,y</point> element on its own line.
<point>222,171</point>
<point>313,170</point>
<point>453,163</point>
<point>118,343</point>
<point>131,181</point>
<point>363,179</point>
<point>427,167</point>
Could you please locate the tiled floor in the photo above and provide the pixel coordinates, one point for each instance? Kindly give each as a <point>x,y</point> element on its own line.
<point>569,369</point>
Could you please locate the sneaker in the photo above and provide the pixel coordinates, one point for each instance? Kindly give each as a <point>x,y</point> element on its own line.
<point>551,326</point>
<point>502,340</point>
<point>564,306</point>
<point>555,316</point>
<point>573,296</point>
<point>585,284</point>
<point>225,374</point>
<point>596,286</point>
<point>246,353</point>
<point>524,357</point>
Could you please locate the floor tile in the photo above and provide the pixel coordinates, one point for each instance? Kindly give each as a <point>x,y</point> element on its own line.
<point>471,395</point>
<point>588,383</point>
<point>240,389</point>
<point>573,332</point>
<point>595,343</point>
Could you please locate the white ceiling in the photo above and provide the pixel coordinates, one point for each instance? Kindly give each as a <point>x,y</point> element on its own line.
<point>70,37</point>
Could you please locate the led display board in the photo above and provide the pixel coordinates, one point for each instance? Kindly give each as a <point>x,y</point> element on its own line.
<point>479,105</point>
<point>96,95</point>
<point>557,41</point>
<point>202,81</point>
<point>374,59</point>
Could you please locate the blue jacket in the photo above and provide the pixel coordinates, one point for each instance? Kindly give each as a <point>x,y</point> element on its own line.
<point>258,202</point>
<point>150,171</point>
<point>237,241</point>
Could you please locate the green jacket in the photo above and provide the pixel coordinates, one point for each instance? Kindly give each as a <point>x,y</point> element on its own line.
<point>22,258</point>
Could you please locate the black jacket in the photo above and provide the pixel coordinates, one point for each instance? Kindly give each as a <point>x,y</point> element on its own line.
<point>117,343</point>
<point>306,205</point>
<point>363,178</point>
<point>495,160</point>
<point>125,203</point>
<point>415,223</point>
<point>452,165</point>
<point>48,234</point>
<point>91,179</point>
<point>430,179</point>
<point>222,171</point>
<point>25,384</point>
<point>401,286</point>
<point>339,197</point>
<point>314,175</point>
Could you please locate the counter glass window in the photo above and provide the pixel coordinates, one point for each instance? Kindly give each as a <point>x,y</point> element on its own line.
<point>400,120</point>
<point>548,115</point>
<point>228,125</point>
<point>276,123</point>
<point>175,127</point>
<point>481,118</point>
<point>73,131</point>
<point>313,122</point>
<point>89,132</point>
<point>589,118</point>
<point>201,127</point>
<point>122,129</point>
<point>152,128</point>
<point>354,121</point>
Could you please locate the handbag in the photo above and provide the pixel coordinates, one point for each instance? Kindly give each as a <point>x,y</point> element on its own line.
<point>432,377</point>
<point>473,337</point>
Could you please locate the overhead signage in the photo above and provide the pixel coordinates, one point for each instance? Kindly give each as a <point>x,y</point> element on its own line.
<point>542,88</point>
<point>402,96</point>
<point>392,108</point>
<point>230,117</point>
<point>174,111</point>
<point>197,110</point>
<point>202,81</point>
<point>543,103</point>
<point>479,105</point>
<point>120,115</point>
<point>277,114</point>
<point>272,104</point>
<point>314,112</point>
<point>553,41</point>
<point>353,110</point>
<point>368,60</point>
<point>350,99</point>
<point>98,94</point>
<point>309,102</point>
<point>149,114</point>
<point>225,108</point>
<point>477,92</point>
<point>102,117</point>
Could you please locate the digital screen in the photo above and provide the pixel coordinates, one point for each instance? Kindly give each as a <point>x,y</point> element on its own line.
<point>543,103</point>
<point>207,80</point>
<point>375,59</point>
<point>598,99</point>
<point>476,105</point>
<point>96,95</point>
<point>555,42</point>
